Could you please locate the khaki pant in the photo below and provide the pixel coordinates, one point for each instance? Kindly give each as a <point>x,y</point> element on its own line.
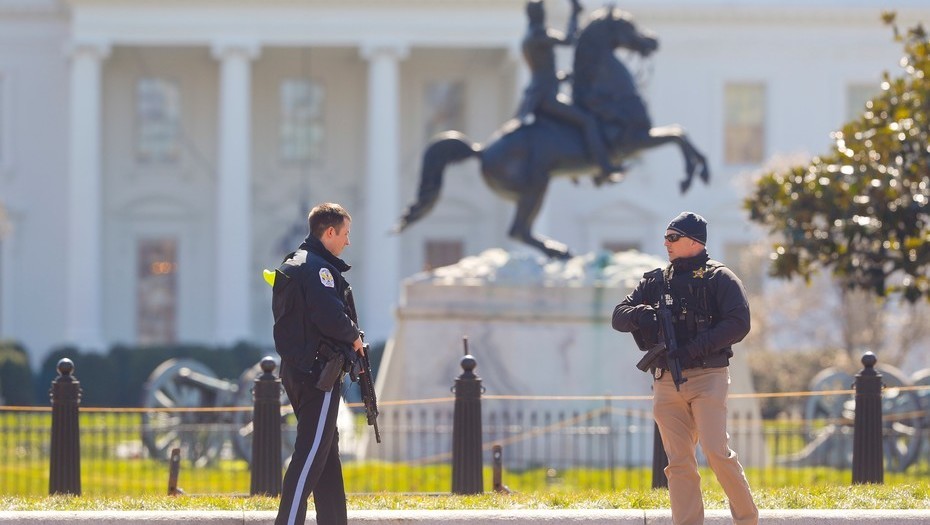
<point>698,413</point>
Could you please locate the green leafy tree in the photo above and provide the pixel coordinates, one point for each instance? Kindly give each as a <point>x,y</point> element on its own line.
<point>862,210</point>
<point>16,381</point>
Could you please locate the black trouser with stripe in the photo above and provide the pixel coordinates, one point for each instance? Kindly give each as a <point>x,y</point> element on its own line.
<point>315,465</point>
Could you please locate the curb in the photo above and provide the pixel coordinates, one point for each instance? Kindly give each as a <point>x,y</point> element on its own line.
<point>466,517</point>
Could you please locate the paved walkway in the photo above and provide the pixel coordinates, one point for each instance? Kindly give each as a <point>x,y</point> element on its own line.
<point>467,517</point>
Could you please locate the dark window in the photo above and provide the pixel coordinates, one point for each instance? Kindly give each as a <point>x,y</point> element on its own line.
<point>442,253</point>
<point>157,291</point>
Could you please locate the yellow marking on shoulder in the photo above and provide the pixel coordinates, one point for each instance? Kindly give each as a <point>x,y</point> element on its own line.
<point>269,276</point>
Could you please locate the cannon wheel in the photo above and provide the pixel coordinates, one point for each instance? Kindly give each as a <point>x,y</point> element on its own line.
<point>162,430</point>
<point>902,420</point>
<point>922,378</point>
<point>820,411</point>
<point>242,421</point>
<point>901,413</point>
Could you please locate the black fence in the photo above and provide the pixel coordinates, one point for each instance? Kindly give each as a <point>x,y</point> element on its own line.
<point>447,445</point>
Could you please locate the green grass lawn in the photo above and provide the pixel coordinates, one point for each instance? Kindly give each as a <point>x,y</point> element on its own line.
<point>115,469</point>
<point>910,496</point>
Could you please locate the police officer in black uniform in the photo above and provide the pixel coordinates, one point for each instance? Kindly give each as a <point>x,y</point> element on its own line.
<point>710,312</point>
<point>313,324</point>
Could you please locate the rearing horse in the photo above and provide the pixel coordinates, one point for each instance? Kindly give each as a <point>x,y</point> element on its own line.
<point>520,158</point>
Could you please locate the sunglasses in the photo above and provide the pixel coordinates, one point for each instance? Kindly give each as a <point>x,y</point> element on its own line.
<point>673,237</point>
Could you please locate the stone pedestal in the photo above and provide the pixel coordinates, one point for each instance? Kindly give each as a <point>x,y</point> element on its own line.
<point>537,328</point>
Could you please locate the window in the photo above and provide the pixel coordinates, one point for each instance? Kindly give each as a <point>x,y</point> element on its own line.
<point>745,123</point>
<point>620,246</point>
<point>442,252</point>
<point>158,120</point>
<point>156,291</point>
<point>301,132</point>
<point>856,97</point>
<point>445,107</point>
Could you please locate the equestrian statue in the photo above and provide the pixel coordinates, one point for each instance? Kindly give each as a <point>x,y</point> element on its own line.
<point>605,122</point>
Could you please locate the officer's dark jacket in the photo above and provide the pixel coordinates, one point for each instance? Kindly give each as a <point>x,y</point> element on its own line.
<point>309,302</point>
<point>722,317</point>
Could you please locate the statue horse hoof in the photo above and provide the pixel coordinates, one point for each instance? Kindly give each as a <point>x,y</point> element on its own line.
<point>556,250</point>
<point>612,178</point>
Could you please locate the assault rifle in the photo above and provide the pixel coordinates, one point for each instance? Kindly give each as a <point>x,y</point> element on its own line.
<point>361,374</point>
<point>669,345</point>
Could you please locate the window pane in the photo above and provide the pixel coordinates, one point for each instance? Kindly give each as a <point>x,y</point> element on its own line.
<point>857,95</point>
<point>301,133</point>
<point>156,291</point>
<point>158,117</point>
<point>445,106</point>
<point>745,123</point>
<point>442,252</point>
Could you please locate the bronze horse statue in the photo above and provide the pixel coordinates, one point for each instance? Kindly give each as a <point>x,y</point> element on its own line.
<point>520,158</point>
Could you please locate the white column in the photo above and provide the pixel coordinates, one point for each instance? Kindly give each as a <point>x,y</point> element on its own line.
<point>382,188</point>
<point>84,301</point>
<point>233,243</point>
<point>7,238</point>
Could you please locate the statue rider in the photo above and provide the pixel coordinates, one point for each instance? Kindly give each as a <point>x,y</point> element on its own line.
<point>542,95</point>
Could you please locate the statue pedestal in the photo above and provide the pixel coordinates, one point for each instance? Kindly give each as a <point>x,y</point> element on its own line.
<point>538,329</point>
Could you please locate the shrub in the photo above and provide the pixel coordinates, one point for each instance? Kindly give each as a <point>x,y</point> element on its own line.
<point>16,381</point>
<point>117,378</point>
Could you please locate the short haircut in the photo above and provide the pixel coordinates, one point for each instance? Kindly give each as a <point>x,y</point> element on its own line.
<point>325,215</point>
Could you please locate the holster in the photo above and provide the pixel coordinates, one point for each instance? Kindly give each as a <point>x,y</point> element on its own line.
<point>338,361</point>
<point>331,373</point>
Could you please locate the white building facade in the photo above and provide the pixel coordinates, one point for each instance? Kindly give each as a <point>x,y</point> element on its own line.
<point>156,155</point>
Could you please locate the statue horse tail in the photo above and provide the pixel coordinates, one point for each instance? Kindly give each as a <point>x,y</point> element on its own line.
<point>448,147</point>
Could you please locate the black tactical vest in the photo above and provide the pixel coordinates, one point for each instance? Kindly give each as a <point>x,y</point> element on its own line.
<point>693,311</point>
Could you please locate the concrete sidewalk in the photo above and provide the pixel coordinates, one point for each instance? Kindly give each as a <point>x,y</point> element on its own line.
<point>467,517</point>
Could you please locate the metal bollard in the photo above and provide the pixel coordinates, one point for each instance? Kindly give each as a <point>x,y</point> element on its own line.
<point>868,453</point>
<point>65,461</point>
<point>174,471</point>
<point>266,432</point>
<point>497,455</point>
<point>659,461</point>
<point>466,430</point>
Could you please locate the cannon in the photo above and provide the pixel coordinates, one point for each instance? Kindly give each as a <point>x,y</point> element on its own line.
<point>828,420</point>
<point>190,411</point>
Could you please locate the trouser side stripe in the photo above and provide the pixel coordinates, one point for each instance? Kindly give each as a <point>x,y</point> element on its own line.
<point>299,490</point>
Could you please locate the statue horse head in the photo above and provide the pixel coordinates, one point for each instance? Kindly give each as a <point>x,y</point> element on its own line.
<point>518,161</point>
<point>602,84</point>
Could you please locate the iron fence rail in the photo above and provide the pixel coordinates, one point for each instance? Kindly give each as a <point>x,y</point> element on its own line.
<point>587,443</point>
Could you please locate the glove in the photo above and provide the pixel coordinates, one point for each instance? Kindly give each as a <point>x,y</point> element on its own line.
<point>350,356</point>
<point>648,325</point>
<point>692,350</point>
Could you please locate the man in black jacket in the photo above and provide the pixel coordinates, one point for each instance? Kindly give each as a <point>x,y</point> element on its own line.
<point>314,323</point>
<point>710,313</point>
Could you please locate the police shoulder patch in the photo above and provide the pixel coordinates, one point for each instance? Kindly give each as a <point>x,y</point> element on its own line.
<point>327,278</point>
